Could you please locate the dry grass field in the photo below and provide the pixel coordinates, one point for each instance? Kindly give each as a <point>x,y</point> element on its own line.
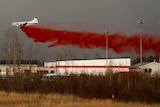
<point>13,99</point>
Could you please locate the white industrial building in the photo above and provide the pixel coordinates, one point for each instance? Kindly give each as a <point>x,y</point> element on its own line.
<point>92,66</point>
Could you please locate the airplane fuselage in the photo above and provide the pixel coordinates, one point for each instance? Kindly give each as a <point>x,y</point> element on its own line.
<point>26,23</point>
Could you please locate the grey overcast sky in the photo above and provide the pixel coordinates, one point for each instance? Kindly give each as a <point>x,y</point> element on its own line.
<point>97,15</point>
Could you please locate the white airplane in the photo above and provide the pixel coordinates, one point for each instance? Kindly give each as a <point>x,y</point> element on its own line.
<point>26,23</point>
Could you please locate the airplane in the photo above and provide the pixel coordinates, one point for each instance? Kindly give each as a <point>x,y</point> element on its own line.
<point>140,22</point>
<point>26,23</point>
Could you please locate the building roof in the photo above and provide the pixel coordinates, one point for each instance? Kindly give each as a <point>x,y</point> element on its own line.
<point>138,65</point>
<point>88,59</point>
<point>155,63</point>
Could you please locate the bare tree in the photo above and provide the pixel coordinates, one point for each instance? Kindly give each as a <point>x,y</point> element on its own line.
<point>58,55</point>
<point>68,53</point>
<point>64,54</point>
<point>97,55</point>
<point>12,49</point>
<point>85,56</point>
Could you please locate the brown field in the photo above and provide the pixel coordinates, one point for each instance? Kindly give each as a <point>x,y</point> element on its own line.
<point>13,99</point>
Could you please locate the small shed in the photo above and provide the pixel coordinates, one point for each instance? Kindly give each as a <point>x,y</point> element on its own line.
<point>147,67</point>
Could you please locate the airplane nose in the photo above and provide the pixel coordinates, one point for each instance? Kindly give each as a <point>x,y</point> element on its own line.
<point>13,23</point>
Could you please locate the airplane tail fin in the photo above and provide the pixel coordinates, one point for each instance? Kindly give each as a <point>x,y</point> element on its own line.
<point>35,20</point>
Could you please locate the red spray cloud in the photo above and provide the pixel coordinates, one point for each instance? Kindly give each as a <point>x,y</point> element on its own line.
<point>119,42</point>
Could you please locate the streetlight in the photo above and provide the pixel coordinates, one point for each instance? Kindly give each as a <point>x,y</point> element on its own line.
<point>106,32</point>
<point>140,22</point>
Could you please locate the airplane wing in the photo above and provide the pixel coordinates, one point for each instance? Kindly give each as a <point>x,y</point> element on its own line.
<point>24,24</point>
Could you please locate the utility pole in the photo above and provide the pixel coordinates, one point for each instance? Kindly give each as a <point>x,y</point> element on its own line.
<point>140,29</point>
<point>106,32</point>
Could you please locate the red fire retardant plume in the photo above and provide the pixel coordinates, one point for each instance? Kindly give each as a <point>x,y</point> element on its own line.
<point>119,42</point>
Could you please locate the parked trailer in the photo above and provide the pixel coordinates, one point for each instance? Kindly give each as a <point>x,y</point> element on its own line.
<point>92,66</point>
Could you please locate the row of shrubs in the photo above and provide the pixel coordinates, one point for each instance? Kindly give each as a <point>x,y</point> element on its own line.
<point>124,87</point>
